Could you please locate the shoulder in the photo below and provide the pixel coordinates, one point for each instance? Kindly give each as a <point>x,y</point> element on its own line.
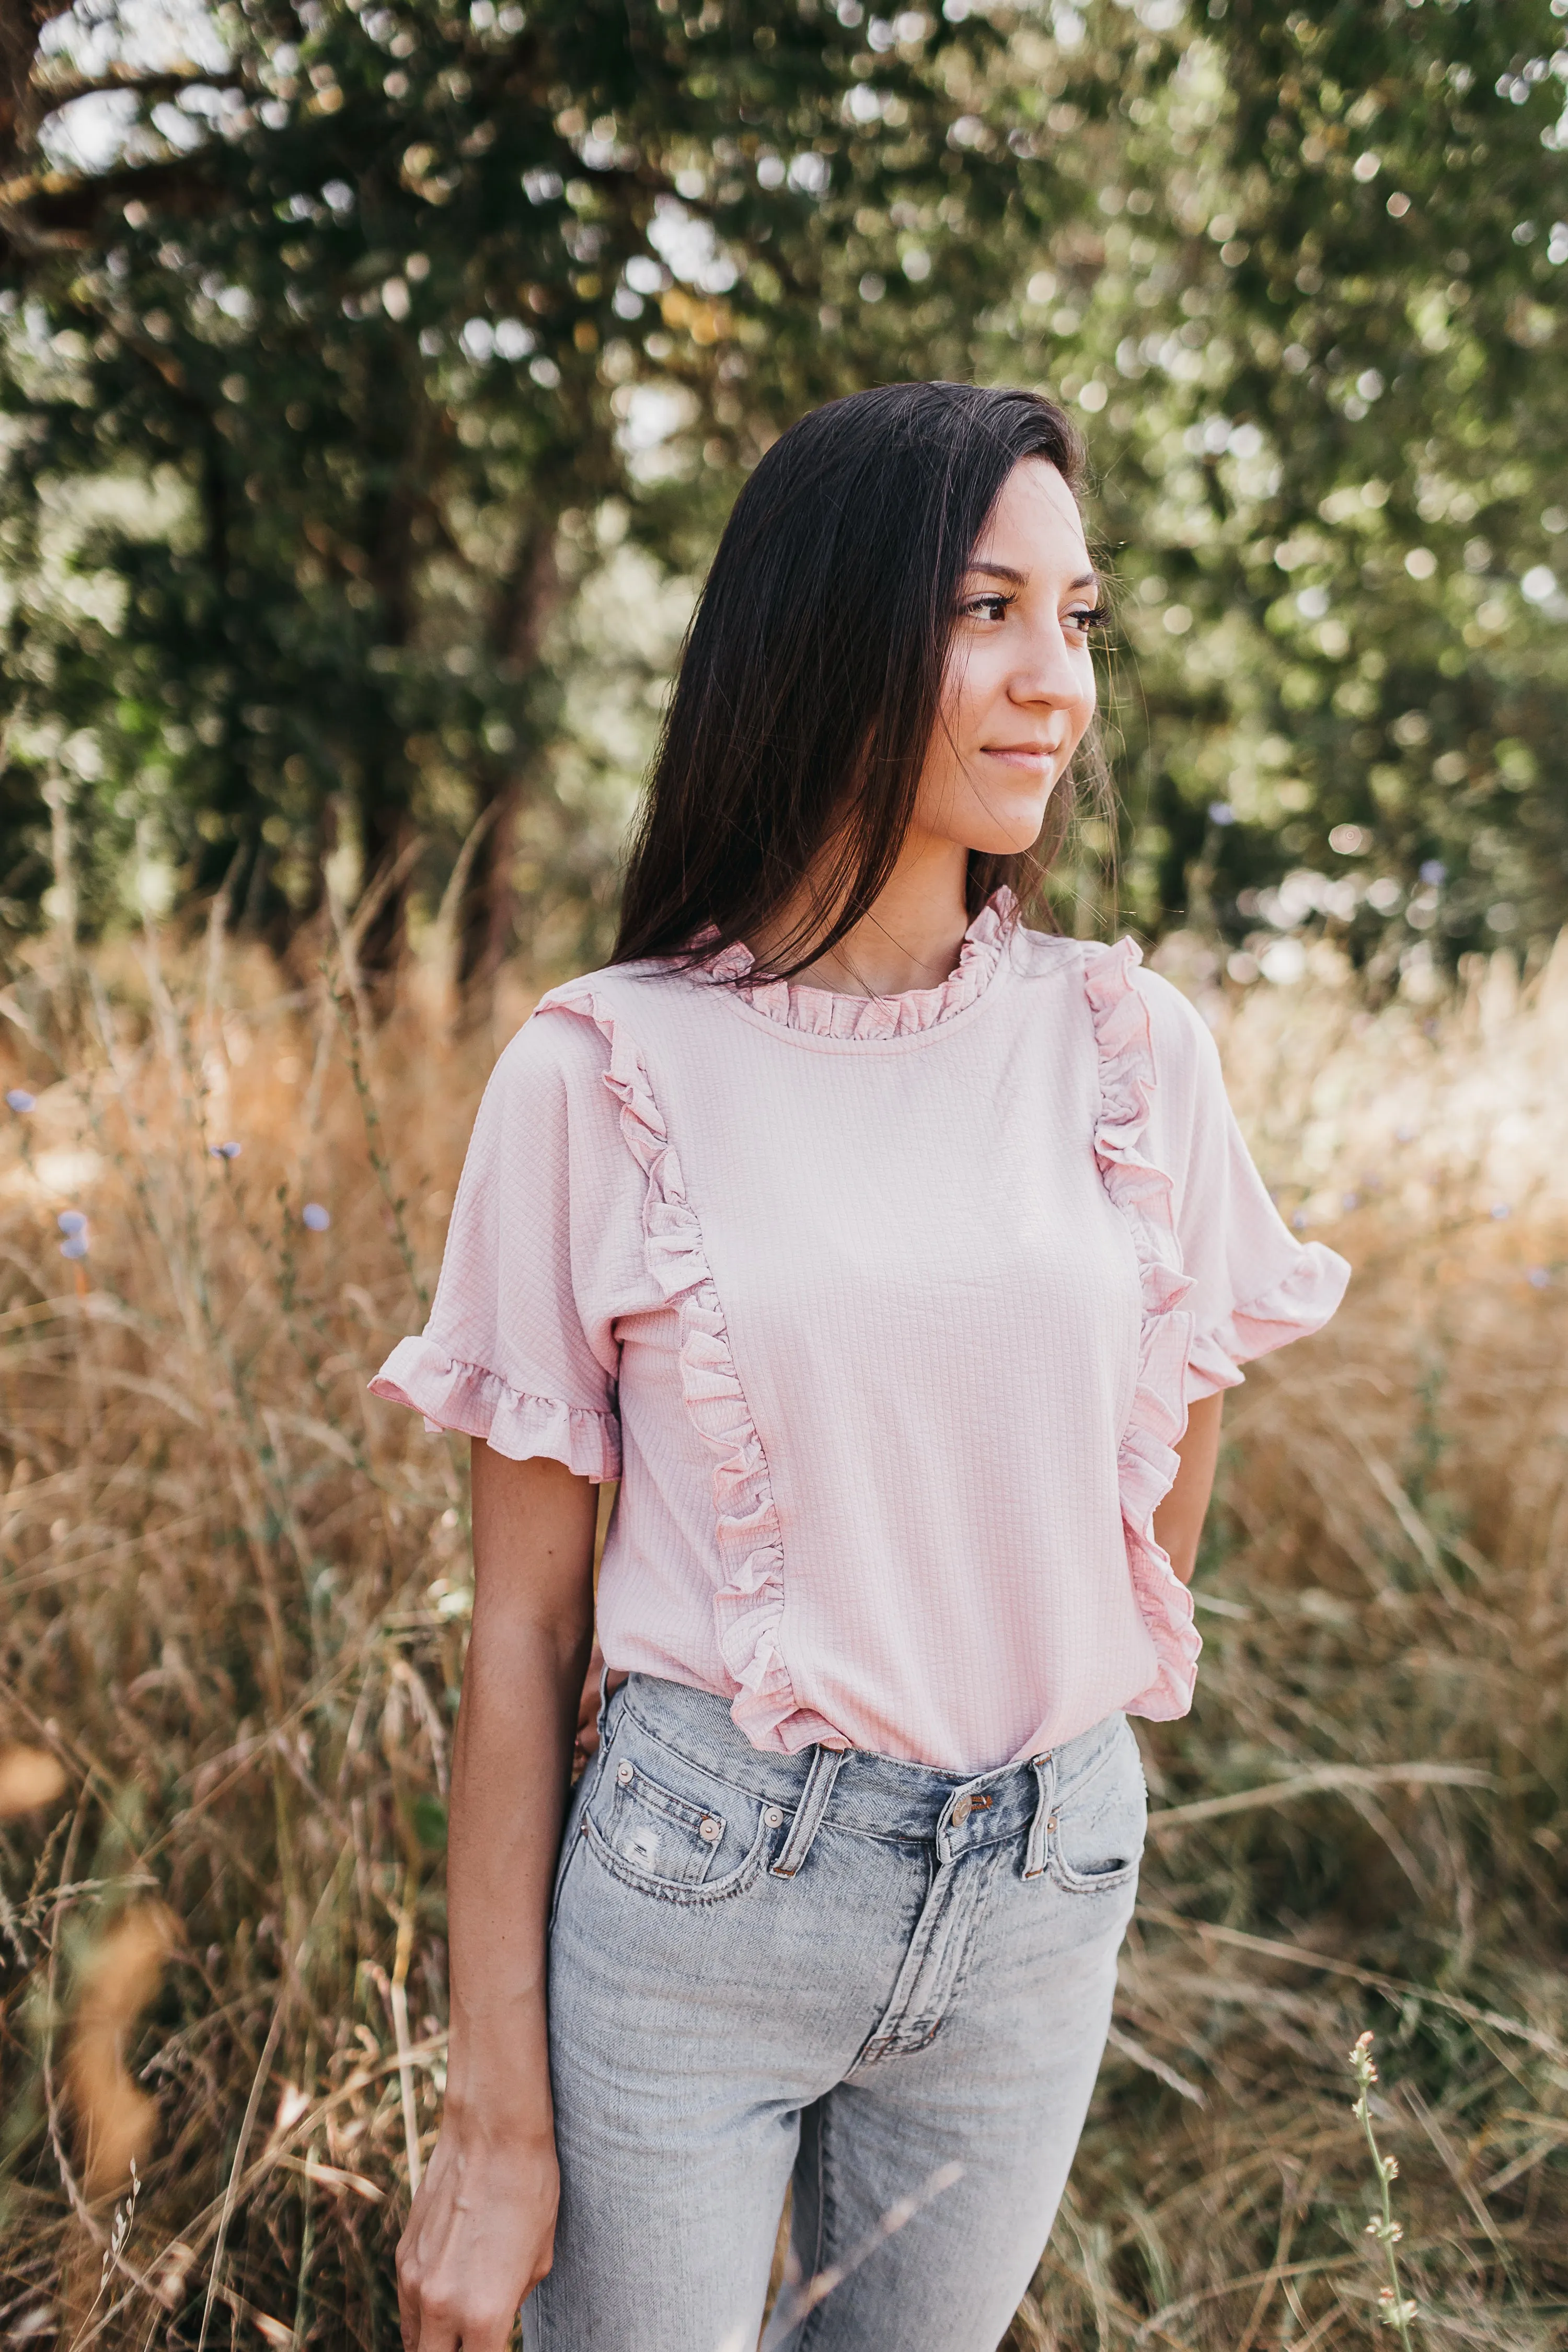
<point>572,1027</point>
<point>1178,1032</point>
<point>1144,1025</point>
<point>564,1048</point>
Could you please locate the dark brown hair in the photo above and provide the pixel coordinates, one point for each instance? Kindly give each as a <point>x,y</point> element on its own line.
<point>811,678</point>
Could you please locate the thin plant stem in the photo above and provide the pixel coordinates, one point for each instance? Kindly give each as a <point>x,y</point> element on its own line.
<point>1398,2309</point>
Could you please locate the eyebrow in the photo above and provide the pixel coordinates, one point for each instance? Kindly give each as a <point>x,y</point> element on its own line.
<point>1020,579</point>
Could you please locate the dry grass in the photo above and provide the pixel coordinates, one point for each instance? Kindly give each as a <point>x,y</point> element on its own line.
<point>234,1604</point>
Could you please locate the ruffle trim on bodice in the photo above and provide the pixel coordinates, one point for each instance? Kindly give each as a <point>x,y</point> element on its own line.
<point>479,1403</point>
<point>1147,1462</point>
<point>825,1013</point>
<point>749,1603</point>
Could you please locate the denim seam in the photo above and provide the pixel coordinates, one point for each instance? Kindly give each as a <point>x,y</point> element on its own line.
<point>562,1875</point>
<point>825,2230</point>
<point>952,1992</point>
<point>1097,1882</point>
<point>972,1936</point>
<point>684,1892</point>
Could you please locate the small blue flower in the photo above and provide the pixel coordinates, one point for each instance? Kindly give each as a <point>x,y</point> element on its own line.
<point>1433,871</point>
<point>1352,1201</point>
<point>74,1245</point>
<point>18,1100</point>
<point>1298,1222</point>
<point>1221,813</point>
<point>1500,1209</point>
<point>71,1221</point>
<point>314,1217</point>
<point>224,1151</point>
<point>1404,1134</point>
<point>1538,1278</point>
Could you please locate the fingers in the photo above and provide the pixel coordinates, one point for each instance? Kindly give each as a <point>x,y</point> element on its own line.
<point>587,1744</point>
<point>588,1698</point>
<point>446,2321</point>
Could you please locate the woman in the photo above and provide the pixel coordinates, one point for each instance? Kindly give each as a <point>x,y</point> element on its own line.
<point>895,1258</point>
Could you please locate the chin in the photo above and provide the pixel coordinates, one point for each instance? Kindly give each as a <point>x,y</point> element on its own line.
<point>994,835</point>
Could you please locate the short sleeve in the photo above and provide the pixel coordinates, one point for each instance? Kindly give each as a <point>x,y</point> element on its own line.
<point>520,1349</point>
<point>1255,1286</point>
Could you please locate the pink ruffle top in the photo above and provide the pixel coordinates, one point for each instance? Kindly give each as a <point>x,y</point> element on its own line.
<point>887,1313</point>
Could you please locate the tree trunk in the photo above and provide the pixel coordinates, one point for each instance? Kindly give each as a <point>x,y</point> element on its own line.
<point>408,445</point>
<point>524,605</point>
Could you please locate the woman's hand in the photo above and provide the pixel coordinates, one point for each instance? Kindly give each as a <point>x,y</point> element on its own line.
<point>479,2240</point>
<point>587,1746</point>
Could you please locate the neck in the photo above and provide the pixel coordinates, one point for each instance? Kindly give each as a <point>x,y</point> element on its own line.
<point>909,936</point>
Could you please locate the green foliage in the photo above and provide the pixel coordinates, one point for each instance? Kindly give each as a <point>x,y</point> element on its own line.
<point>1319,333</point>
<point>435,281</point>
<point>314,399</point>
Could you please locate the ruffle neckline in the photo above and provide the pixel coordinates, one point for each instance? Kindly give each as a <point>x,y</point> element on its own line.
<point>1147,1462</point>
<point>826,1012</point>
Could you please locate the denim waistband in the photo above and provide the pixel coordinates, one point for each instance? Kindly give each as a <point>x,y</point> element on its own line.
<point>876,1796</point>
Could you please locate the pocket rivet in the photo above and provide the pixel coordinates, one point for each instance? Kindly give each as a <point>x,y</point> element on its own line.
<point>622,1772</point>
<point>1052,1822</point>
<point>709,1830</point>
<point>773,1817</point>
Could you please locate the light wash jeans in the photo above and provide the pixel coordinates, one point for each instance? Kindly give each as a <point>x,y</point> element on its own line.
<point>886,1984</point>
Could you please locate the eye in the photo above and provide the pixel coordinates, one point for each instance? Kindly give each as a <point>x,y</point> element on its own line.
<point>1087,618</point>
<point>992,606</point>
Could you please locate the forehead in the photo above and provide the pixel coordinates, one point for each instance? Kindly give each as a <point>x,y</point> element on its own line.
<point>1035,512</point>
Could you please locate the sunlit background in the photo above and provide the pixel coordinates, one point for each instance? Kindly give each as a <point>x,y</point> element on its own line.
<point>373,383</point>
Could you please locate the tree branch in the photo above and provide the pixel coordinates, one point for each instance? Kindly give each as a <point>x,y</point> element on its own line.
<point>53,91</point>
<point>44,205</point>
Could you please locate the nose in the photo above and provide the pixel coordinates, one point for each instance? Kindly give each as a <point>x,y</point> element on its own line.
<point>1051,672</point>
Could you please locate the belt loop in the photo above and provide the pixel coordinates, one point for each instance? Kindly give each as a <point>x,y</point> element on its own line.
<point>603,1718</point>
<point>1043,1768</point>
<point>825,1764</point>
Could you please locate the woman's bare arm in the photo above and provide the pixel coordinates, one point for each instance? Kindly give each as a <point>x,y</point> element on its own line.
<point>480,2233</point>
<point>1179,1521</point>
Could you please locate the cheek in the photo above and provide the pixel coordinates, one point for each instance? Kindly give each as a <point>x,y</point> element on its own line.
<point>1088,702</point>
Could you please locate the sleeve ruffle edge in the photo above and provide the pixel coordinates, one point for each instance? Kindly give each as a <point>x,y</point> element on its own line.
<point>1299,1302</point>
<point>479,1403</point>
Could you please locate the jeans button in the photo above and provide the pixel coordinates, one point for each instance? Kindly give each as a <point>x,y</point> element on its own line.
<point>773,1817</point>
<point>622,1772</point>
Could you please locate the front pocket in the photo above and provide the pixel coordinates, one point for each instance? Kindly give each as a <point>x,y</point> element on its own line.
<point>654,1832</point>
<point>1097,1843</point>
<point>679,1890</point>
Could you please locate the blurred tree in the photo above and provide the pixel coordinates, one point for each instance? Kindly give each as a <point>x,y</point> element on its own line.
<point>366,305</point>
<point>1318,334</point>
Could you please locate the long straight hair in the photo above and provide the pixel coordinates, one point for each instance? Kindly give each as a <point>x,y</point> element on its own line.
<point>811,678</point>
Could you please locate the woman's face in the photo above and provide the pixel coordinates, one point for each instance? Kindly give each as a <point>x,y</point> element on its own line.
<point>1019,689</point>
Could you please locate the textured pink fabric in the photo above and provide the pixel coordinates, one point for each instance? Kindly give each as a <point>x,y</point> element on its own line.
<point>887,1313</point>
